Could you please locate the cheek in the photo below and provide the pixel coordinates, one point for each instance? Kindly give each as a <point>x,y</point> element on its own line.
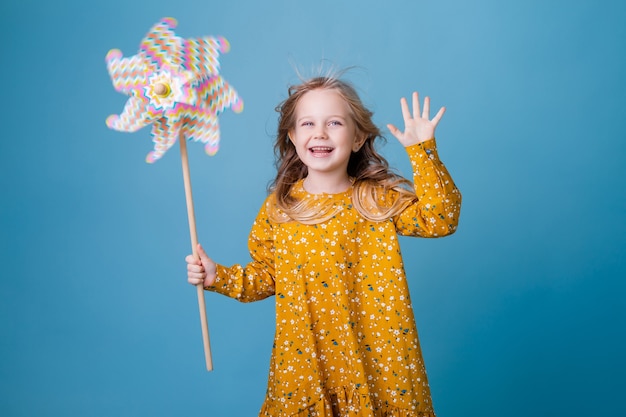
<point>299,148</point>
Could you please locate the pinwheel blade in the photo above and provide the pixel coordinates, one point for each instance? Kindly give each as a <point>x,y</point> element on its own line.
<point>161,46</point>
<point>165,133</point>
<point>201,125</point>
<point>134,116</point>
<point>216,94</point>
<point>201,55</point>
<point>127,74</point>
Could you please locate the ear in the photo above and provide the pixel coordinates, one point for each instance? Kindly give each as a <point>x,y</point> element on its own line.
<point>358,143</point>
<point>290,136</point>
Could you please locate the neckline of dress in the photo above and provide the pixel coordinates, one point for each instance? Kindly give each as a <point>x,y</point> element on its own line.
<point>300,189</point>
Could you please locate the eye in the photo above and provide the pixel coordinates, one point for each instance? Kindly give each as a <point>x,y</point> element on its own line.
<point>335,123</point>
<point>307,124</point>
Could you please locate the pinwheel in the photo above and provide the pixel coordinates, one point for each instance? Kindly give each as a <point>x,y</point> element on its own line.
<point>174,84</point>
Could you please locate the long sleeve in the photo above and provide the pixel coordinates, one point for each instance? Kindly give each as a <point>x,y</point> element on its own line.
<point>438,206</point>
<point>254,281</point>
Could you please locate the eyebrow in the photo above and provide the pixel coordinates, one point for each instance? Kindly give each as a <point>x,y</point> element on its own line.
<point>329,117</point>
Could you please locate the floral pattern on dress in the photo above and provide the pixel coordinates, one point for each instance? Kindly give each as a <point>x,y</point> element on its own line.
<point>346,343</point>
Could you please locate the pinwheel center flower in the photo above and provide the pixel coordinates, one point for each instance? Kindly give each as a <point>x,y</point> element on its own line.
<point>166,88</point>
<point>162,90</point>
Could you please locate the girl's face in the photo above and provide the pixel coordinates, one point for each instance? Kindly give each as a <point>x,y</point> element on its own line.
<point>324,134</point>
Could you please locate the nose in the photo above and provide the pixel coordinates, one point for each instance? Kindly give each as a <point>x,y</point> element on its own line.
<point>320,132</point>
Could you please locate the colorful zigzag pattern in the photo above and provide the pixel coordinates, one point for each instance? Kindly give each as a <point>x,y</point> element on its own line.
<point>196,95</point>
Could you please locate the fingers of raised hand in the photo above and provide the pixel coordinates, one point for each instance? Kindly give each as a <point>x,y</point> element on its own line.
<point>406,113</point>
<point>419,112</point>
<point>438,116</point>
<point>394,131</point>
<point>426,110</point>
<point>425,113</point>
<point>416,105</point>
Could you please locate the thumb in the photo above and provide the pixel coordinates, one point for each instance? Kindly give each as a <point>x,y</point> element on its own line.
<point>394,131</point>
<point>202,254</point>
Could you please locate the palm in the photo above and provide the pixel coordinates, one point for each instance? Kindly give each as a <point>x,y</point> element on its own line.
<point>417,125</point>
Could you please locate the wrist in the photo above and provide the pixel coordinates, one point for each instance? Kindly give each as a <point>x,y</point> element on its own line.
<point>211,274</point>
<point>422,142</point>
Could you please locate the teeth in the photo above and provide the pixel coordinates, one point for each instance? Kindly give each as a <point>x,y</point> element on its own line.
<point>321,149</point>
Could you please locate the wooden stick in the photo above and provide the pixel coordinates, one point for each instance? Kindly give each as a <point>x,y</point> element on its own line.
<point>194,247</point>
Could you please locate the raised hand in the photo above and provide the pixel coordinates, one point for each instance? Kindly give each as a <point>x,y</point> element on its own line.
<point>417,127</point>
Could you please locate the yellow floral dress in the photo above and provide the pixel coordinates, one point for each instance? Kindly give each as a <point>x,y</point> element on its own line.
<point>346,343</point>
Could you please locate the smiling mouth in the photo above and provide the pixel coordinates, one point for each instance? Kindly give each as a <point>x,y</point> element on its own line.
<point>320,150</point>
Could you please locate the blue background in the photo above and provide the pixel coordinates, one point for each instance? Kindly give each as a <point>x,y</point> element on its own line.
<point>520,312</point>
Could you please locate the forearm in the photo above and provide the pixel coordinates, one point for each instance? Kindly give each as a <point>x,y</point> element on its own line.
<point>246,284</point>
<point>438,206</point>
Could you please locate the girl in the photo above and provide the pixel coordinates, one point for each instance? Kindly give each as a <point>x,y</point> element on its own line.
<point>325,243</point>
